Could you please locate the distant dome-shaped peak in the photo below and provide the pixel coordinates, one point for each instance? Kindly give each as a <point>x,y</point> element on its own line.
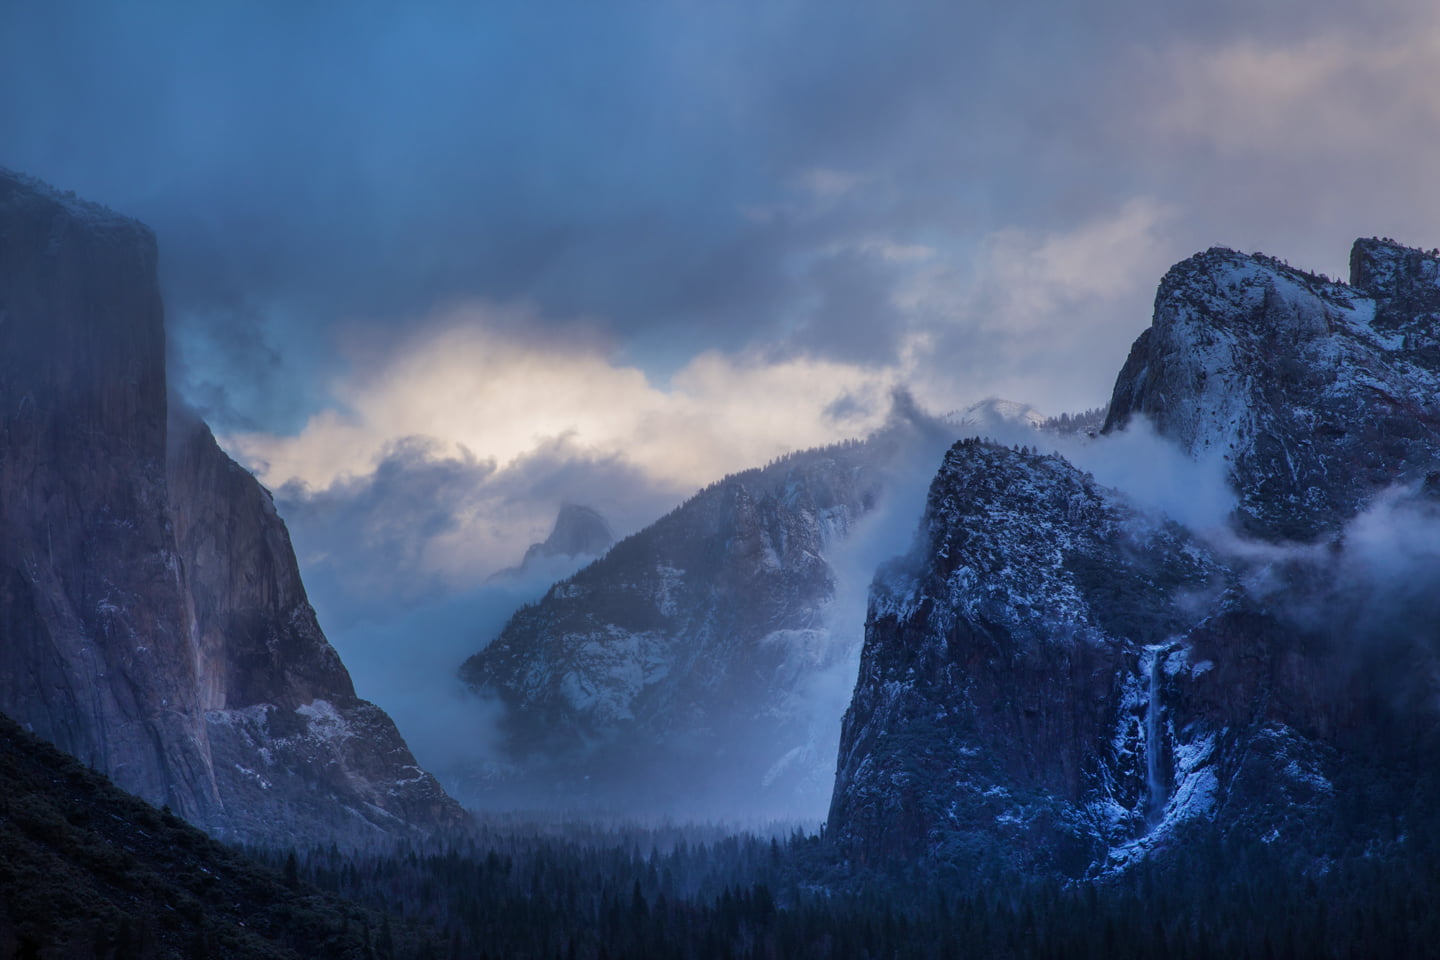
<point>578,530</point>
<point>1004,409</point>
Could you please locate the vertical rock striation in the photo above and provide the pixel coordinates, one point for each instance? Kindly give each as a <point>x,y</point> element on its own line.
<point>154,623</point>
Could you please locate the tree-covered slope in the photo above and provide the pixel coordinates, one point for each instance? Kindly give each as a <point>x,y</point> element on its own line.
<point>87,870</point>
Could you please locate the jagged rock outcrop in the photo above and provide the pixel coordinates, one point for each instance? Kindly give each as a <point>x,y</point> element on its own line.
<point>154,623</point>
<point>677,674</point>
<point>1056,681</point>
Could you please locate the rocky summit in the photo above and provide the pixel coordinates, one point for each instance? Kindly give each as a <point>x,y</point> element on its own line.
<point>1315,393</point>
<point>154,623</point>
<point>1059,681</point>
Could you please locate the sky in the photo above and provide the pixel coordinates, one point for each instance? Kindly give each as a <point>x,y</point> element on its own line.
<point>434,268</point>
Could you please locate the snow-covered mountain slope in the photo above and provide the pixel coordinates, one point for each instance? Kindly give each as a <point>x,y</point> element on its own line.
<point>994,415</point>
<point>1058,680</point>
<point>1316,393</point>
<point>153,619</point>
<point>701,666</point>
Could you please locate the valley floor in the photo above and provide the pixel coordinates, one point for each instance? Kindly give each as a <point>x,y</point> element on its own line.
<point>606,892</point>
<point>89,871</point>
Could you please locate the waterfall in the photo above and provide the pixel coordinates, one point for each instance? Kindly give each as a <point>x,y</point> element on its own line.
<point>1154,779</point>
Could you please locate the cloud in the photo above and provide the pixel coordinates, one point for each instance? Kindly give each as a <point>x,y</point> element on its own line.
<point>843,182</point>
<point>1032,315</point>
<point>1158,476</point>
<point>452,449</point>
<point>1331,91</point>
<point>1369,599</point>
<point>423,524</point>
<point>1028,282</point>
<point>309,169</point>
<point>1327,123</point>
<point>1033,276</point>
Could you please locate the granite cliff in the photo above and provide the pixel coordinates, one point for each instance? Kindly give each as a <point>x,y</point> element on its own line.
<point>1057,680</point>
<point>154,623</point>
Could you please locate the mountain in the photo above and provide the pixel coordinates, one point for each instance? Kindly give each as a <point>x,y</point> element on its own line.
<point>994,415</point>
<point>1316,393</point>
<point>699,667</point>
<point>578,532</point>
<point>154,621</point>
<point>1059,681</point>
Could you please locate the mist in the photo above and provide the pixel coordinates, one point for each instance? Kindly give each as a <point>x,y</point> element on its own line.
<point>798,784</point>
<point>1158,476</point>
<point>405,628</point>
<point>408,662</point>
<point>1370,596</point>
<point>400,566</point>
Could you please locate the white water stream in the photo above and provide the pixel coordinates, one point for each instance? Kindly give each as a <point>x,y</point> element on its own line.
<point>1154,778</point>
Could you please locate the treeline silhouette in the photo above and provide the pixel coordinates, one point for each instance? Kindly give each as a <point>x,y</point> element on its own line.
<point>749,897</point>
<point>87,871</point>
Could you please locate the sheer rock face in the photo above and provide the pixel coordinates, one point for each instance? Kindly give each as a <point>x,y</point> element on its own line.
<point>1316,394</point>
<point>1058,680</point>
<point>674,673</point>
<point>1055,680</point>
<point>154,623</point>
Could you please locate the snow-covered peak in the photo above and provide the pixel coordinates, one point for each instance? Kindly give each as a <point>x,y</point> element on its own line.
<point>996,416</point>
<point>1296,381</point>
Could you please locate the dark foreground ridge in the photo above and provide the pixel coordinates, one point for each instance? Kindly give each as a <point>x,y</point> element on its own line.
<point>89,871</point>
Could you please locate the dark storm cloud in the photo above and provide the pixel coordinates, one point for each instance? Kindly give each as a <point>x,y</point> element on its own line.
<point>325,161</point>
<point>854,317</point>
<point>645,164</point>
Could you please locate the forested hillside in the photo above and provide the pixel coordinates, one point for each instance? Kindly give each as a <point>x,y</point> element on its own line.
<point>87,870</point>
